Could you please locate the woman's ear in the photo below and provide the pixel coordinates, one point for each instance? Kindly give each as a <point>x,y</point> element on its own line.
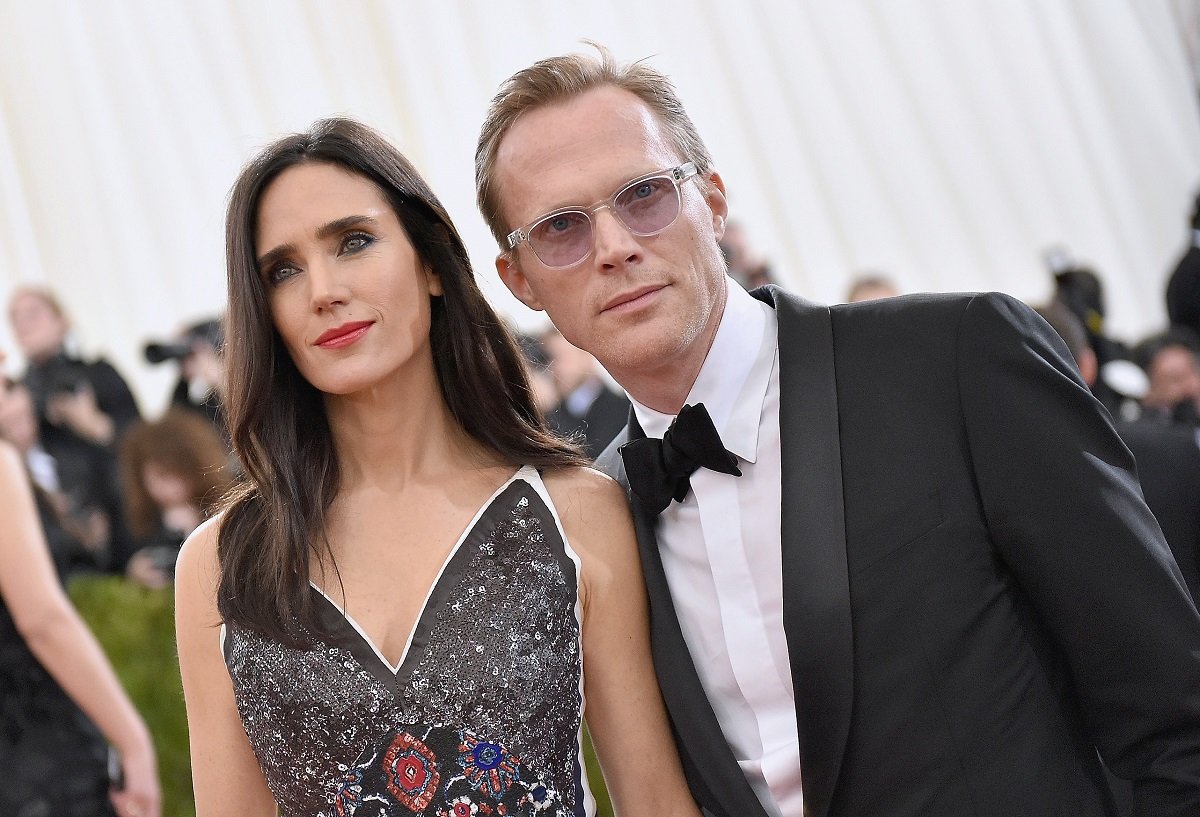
<point>433,282</point>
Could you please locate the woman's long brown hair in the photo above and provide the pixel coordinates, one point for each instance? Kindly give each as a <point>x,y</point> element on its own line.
<point>275,521</point>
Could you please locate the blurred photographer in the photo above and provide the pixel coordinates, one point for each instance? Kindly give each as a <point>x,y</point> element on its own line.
<point>197,350</point>
<point>87,401</point>
<point>83,408</point>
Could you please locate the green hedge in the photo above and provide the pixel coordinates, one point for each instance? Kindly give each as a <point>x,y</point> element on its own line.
<point>136,628</point>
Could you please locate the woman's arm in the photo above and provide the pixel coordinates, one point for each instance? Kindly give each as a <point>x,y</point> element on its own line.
<point>226,776</point>
<point>625,712</point>
<point>62,643</point>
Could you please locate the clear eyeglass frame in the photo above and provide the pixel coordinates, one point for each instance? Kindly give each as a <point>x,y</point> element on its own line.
<point>677,175</point>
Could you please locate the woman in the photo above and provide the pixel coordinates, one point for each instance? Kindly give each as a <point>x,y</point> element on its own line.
<point>174,471</point>
<point>413,567</point>
<point>56,687</point>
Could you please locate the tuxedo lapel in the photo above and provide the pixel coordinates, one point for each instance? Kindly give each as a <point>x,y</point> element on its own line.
<point>701,741</point>
<point>816,595</point>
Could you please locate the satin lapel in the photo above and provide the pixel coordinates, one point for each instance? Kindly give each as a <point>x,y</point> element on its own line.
<point>816,589</point>
<point>698,731</point>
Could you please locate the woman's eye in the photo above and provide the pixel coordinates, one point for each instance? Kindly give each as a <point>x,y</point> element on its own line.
<point>356,241</point>
<point>278,274</point>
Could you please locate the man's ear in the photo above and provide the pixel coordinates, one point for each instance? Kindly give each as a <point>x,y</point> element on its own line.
<point>510,273</point>
<point>714,196</point>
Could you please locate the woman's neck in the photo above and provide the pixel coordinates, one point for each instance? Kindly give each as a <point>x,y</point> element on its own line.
<point>394,438</point>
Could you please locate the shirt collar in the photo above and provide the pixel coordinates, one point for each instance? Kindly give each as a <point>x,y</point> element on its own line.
<point>733,380</point>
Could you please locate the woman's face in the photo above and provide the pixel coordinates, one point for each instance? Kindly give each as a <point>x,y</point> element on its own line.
<point>165,486</point>
<point>348,294</point>
<point>38,328</point>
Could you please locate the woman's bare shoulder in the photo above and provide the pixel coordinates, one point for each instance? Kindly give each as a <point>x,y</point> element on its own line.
<point>581,491</point>
<point>198,557</point>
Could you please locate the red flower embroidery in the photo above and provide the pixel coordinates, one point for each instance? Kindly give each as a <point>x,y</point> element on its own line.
<point>410,769</point>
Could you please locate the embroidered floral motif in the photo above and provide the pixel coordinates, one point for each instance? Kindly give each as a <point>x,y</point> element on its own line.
<point>538,797</point>
<point>461,807</point>
<point>487,766</point>
<point>349,793</point>
<point>410,769</point>
<point>399,774</point>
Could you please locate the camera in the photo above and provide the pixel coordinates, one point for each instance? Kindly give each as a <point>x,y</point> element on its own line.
<point>63,376</point>
<point>161,352</point>
<point>207,331</point>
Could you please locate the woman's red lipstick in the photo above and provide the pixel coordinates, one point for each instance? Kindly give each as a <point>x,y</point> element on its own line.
<point>344,335</point>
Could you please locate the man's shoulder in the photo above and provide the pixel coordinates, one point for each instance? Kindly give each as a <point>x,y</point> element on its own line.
<point>897,307</point>
<point>609,461</point>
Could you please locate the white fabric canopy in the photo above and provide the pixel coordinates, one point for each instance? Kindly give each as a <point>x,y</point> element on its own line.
<point>947,143</point>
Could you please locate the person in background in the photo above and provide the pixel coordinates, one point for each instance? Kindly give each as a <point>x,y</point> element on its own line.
<point>1183,287</point>
<point>85,400</point>
<point>746,265</point>
<point>587,409</point>
<point>536,362</point>
<point>414,569</point>
<point>897,557</point>
<point>174,472</point>
<point>1120,383</point>
<point>78,530</point>
<point>869,287</point>
<point>1171,360</point>
<point>83,407</point>
<point>198,351</point>
<point>61,705</point>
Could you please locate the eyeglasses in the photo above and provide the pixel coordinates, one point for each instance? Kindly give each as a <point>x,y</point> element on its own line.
<point>646,206</point>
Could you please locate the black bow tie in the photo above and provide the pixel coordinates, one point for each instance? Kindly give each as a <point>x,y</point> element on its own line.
<point>659,470</point>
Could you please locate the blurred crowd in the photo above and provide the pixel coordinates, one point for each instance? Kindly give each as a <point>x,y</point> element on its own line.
<point>118,492</point>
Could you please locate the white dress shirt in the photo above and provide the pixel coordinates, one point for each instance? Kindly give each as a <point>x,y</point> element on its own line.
<point>721,552</point>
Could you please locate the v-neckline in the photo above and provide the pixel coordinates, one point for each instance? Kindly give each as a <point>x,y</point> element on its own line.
<point>472,527</point>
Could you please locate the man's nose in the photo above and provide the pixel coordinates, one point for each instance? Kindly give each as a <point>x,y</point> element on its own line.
<point>614,243</point>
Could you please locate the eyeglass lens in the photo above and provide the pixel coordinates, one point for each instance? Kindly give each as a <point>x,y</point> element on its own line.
<point>645,207</point>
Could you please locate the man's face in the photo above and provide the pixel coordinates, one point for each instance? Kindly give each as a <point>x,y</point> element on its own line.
<point>645,306</point>
<point>1174,378</point>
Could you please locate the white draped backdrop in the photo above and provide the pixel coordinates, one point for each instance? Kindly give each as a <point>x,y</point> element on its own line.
<point>947,143</point>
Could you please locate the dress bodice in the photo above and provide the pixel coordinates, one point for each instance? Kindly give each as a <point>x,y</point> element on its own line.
<point>483,714</point>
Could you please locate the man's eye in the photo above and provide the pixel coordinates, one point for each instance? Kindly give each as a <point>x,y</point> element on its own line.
<point>561,223</point>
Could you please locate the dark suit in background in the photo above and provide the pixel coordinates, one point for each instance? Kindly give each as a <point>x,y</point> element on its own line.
<point>1168,465</point>
<point>595,425</point>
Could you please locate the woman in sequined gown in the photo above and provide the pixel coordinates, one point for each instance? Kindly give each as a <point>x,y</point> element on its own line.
<point>392,613</point>
<point>59,699</point>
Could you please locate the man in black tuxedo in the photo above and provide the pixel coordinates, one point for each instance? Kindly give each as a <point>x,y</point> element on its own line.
<point>915,575</point>
<point>1167,455</point>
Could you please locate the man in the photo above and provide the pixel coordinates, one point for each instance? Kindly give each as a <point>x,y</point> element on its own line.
<point>1167,454</point>
<point>1172,364</point>
<point>1183,287</point>
<point>587,409</point>
<point>934,589</point>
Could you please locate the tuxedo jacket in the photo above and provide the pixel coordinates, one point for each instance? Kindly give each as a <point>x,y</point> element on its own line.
<point>977,601</point>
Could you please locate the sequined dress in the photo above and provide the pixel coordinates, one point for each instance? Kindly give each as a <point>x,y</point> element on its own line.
<point>483,715</point>
<point>53,761</point>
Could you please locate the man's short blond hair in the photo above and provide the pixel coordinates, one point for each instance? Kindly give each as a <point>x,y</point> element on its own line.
<point>558,79</point>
